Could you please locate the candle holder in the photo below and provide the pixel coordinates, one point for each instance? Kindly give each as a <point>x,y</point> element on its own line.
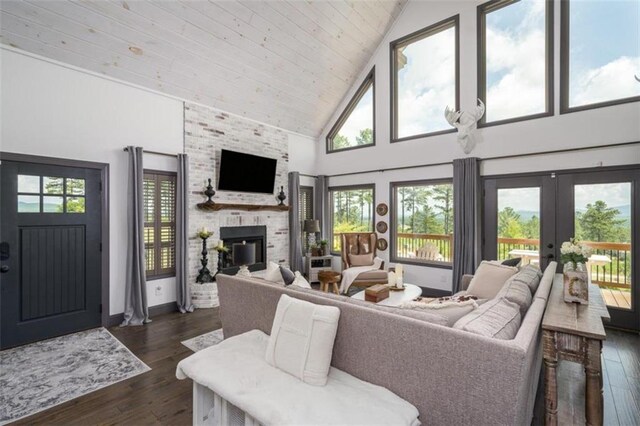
<point>281,196</point>
<point>204,275</point>
<point>209,192</point>
<point>220,250</point>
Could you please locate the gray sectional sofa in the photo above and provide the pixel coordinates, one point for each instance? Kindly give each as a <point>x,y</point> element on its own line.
<point>452,376</point>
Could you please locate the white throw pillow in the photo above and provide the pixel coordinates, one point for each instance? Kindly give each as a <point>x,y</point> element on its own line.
<point>489,279</point>
<point>302,337</point>
<point>273,273</point>
<point>300,281</point>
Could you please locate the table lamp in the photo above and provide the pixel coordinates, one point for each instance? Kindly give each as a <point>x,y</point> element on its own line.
<point>244,255</point>
<point>311,226</point>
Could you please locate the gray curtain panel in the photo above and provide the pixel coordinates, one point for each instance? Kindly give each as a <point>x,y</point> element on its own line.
<point>183,293</point>
<point>320,205</point>
<point>136,311</point>
<point>295,231</point>
<point>466,207</point>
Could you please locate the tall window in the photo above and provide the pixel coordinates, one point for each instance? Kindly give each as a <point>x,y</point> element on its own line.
<point>422,222</point>
<point>424,69</point>
<point>355,127</point>
<point>305,210</point>
<point>160,223</point>
<point>600,53</point>
<point>515,66</point>
<point>352,211</point>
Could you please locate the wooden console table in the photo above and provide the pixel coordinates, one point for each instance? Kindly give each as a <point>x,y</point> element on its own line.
<point>574,332</point>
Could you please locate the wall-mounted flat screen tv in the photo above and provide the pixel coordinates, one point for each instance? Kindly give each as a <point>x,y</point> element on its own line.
<point>246,173</point>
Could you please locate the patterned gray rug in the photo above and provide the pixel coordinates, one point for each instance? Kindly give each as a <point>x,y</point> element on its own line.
<point>43,374</point>
<point>204,340</point>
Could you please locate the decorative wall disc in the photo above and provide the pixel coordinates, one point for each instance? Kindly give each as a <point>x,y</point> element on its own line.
<point>381,227</point>
<point>382,209</point>
<point>382,244</point>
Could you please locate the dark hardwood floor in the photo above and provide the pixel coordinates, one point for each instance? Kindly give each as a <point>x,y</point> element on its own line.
<point>157,397</point>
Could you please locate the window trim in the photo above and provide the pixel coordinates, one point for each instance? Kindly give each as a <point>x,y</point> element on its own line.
<point>564,69</point>
<point>369,81</point>
<point>166,274</point>
<point>393,258</point>
<point>331,189</point>
<point>453,21</point>
<point>492,6</point>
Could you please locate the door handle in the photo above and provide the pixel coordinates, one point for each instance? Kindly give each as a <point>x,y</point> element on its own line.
<point>550,245</point>
<point>4,269</point>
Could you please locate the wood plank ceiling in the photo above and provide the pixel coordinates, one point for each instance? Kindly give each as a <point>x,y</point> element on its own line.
<point>285,63</point>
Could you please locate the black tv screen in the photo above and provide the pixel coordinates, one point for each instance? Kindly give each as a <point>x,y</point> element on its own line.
<point>246,173</point>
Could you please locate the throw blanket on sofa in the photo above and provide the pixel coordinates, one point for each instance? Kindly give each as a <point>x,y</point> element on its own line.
<point>237,371</point>
<point>349,275</point>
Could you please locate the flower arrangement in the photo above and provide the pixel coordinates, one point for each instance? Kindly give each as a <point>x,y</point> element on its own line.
<point>574,251</point>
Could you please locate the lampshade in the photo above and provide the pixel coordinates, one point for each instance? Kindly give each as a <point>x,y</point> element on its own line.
<point>311,225</point>
<point>244,254</point>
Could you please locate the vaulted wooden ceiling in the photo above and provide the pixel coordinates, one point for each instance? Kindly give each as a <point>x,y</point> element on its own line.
<point>285,63</point>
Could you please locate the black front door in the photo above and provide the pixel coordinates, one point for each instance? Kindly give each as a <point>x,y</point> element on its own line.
<point>50,259</point>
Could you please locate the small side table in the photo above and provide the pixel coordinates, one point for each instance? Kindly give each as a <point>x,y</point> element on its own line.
<point>329,277</point>
<point>315,264</point>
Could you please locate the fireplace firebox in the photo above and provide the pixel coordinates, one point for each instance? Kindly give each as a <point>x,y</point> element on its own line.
<point>237,234</point>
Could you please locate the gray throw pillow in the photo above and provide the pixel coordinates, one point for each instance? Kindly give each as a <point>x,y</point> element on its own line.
<point>498,318</point>
<point>287,275</point>
<point>512,262</point>
<point>529,275</point>
<point>518,293</point>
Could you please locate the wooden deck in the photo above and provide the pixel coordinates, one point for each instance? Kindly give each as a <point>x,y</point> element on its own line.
<point>619,298</point>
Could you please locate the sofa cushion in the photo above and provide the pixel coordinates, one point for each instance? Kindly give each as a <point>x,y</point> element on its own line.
<point>300,281</point>
<point>302,337</point>
<point>498,318</point>
<point>450,307</point>
<point>361,259</point>
<point>529,275</point>
<point>518,293</point>
<point>489,279</point>
<point>273,273</point>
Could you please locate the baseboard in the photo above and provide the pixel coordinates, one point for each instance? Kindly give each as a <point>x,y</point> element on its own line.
<point>165,308</point>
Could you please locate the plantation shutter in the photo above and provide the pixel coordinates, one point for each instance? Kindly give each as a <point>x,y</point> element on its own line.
<point>159,223</point>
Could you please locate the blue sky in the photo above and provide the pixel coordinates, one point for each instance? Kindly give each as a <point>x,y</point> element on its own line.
<point>361,118</point>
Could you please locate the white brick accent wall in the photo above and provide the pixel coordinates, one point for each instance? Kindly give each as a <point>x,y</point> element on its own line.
<point>206,132</point>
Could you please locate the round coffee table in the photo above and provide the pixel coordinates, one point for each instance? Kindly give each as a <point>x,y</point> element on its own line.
<point>329,277</point>
<point>396,298</point>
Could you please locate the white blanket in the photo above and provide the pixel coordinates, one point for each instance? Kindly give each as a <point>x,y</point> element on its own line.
<point>236,370</point>
<point>349,275</point>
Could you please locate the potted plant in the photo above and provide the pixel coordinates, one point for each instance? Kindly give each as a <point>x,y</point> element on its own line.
<point>574,256</point>
<point>323,247</point>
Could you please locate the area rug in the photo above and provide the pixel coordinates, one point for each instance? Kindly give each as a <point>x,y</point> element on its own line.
<point>204,340</point>
<point>40,375</point>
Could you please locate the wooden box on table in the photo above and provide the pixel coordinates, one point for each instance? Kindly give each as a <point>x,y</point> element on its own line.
<point>376,293</point>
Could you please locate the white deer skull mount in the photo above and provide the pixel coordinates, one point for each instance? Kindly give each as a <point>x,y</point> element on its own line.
<point>466,123</point>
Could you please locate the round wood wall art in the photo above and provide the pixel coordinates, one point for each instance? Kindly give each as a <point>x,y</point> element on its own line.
<point>381,227</point>
<point>382,244</point>
<point>382,209</point>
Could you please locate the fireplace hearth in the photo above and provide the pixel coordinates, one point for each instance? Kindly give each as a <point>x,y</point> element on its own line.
<point>237,234</point>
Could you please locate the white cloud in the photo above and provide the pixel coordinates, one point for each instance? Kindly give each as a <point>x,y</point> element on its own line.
<point>614,80</point>
<point>361,118</point>
<point>518,54</point>
<point>614,194</point>
<point>427,84</point>
<point>519,199</point>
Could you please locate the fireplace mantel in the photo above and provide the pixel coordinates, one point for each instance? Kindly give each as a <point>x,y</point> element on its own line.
<point>248,207</point>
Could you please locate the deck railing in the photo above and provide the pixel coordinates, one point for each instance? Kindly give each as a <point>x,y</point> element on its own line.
<point>615,274</point>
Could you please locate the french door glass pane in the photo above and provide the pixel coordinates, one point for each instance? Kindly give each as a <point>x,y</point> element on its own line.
<point>519,224</point>
<point>603,222</point>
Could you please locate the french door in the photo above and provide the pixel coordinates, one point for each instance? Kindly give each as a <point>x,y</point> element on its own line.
<point>530,216</point>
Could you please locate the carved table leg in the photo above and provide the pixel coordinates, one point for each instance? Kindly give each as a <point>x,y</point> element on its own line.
<point>550,379</point>
<point>593,392</point>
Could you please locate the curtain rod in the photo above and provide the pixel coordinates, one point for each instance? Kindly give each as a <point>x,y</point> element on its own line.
<point>126,148</point>
<point>499,157</point>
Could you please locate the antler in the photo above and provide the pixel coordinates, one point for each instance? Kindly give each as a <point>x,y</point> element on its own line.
<point>479,111</point>
<point>452,116</point>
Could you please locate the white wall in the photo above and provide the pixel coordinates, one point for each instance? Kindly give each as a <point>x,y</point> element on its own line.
<point>609,125</point>
<point>49,109</point>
